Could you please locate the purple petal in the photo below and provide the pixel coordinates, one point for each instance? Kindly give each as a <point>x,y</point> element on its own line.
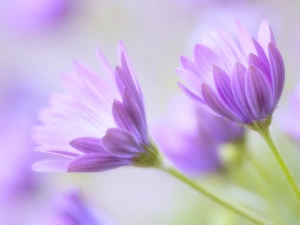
<point>121,142</point>
<point>60,152</point>
<point>125,62</point>
<point>196,98</point>
<point>124,80</point>
<point>234,48</point>
<point>253,60</point>
<point>191,79</point>
<point>205,59</point>
<point>222,82</point>
<point>218,105</point>
<point>245,40</point>
<point>135,115</point>
<point>259,93</point>
<point>88,145</point>
<point>58,165</point>
<point>121,117</point>
<point>265,35</point>
<point>239,89</point>
<point>278,72</point>
<point>261,53</point>
<point>96,162</point>
<point>189,65</point>
<point>226,57</point>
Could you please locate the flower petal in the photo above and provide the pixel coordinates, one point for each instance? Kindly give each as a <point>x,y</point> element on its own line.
<point>245,40</point>
<point>121,142</point>
<point>218,105</point>
<point>233,47</point>
<point>205,59</point>
<point>136,116</point>
<point>124,81</point>
<point>191,79</point>
<point>254,60</point>
<point>58,165</point>
<point>259,93</point>
<point>265,35</point>
<point>278,72</point>
<point>189,65</point>
<point>225,56</point>
<point>88,145</point>
<point>96,162</point>
<point>261,53</point>
<point>222,82</point>
<point>197,99</point>
<point>121,118</point>
<point>239,89</point>
<point>126,64</point>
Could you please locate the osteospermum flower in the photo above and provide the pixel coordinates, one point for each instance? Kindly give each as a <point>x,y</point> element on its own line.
<point>242,84</point>
<point>96,126</point>
<point>190,137</point>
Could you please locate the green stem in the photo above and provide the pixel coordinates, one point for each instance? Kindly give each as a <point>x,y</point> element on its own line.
<point>235,208</point>
<point>265,133</point>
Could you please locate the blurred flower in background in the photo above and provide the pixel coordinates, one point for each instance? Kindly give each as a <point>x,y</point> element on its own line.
<point>32,15</point>
<point>191,137</point>
<point>71,209</point>
<point>19,103</point>
<point>289,119</point>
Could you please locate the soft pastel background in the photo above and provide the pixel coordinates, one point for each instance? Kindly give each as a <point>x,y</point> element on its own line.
<point>40,39</point>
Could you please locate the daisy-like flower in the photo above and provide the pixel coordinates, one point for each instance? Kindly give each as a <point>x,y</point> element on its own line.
<point>242,84</point>
<point>96,125</point>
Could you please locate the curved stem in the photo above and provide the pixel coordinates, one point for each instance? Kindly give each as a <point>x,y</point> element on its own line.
<point>265,133</point>
<point>235,208</point>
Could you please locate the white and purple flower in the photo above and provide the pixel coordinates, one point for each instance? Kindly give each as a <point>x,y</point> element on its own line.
<point>242,84</point>
<point>96,126</point>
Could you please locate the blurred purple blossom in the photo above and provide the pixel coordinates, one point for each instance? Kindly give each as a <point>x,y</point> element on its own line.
<point>190,137</point>
<point>243,84</point>
<point>96,126</point>
<point>19,102</point>
<point>28,15</point>
<point>289,120</point>
<point>71,209</point>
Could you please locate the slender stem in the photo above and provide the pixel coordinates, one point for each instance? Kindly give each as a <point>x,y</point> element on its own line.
<point>235,208</point>
<point>265,133</point>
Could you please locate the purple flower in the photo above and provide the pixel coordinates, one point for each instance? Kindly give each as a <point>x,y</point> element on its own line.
<point>96,126</point>
<point>27,15</point>
<point>70,209</point>
<point>190,137</point>
<point>18,107</point>
<point>290,117</point>
<point>240,84</point>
